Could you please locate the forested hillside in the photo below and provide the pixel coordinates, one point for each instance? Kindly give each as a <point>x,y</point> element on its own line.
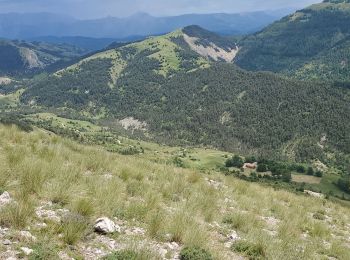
<point>21,57</point>
<point>313,43</point>
<point>183,98</point>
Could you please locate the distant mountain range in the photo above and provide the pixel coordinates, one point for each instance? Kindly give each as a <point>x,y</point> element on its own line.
<point>29,26</point>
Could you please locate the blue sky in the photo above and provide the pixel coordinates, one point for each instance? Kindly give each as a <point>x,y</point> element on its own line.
<point>101,8</point>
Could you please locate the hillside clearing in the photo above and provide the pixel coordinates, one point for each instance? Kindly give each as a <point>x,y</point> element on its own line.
<point>306,179</point>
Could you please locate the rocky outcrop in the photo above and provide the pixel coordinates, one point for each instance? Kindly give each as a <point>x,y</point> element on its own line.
<point>106,226</point>
<point>211,51</point>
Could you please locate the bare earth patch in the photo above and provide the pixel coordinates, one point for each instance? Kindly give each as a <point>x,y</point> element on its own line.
<point>5,81</point>
<point>31,58</point>
<point>211,51</point>
<point>130,123</point>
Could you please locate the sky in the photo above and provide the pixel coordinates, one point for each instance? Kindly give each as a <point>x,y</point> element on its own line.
<point>87,9</point>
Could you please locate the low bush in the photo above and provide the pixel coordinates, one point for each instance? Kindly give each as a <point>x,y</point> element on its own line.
<point>261,167</point>
<point>318,174</point>
<point>43,251</point>
<point>310,171</point>
<point>250,250</point>
<point>123,255</point>
<point>195,253</point>
<point>235,161</point>
<point>130,254</point>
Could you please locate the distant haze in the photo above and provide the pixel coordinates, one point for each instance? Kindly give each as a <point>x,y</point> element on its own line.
<point>31,26</point>
<point>89,9</point>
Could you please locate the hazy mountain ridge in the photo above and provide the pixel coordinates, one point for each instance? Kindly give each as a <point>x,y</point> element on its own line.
<point>24,26</point>
<point>21,57</point>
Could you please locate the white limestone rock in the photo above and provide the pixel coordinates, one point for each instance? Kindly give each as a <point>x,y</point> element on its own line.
<point>106,226</point>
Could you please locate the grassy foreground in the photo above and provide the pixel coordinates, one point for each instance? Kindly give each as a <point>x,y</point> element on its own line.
<point>155,204</point>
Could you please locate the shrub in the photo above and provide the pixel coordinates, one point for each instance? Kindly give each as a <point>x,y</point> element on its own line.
<point>250,159</point>
<point>286,176</point>
<point>310,171</point>
<point>123,255</point>
<point>253,175</point>
<point>178,162</point>
<point>250,250</point>
<point>195,253</point>
<point>235,161</point>
<point>300,169</point>
<point>42,251</point>
<point>130,254</point>
<point>261,167</point>
<point>130,150</point>
<point>16,120</point>
<point>318,174</point>
<point>344,184</point>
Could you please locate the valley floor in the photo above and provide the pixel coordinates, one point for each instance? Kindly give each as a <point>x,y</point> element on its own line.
<point>54,189</point>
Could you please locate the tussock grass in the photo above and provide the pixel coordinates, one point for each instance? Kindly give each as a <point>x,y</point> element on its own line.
<point>169,203</point>
<point>73,228</point>
<point>16,215</point>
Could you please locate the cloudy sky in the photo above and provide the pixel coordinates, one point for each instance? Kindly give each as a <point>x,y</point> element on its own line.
<point>101,8</point>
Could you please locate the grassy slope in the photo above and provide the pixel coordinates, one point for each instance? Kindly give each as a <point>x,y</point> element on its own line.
<point>38,168</point>
<point>161,48</point>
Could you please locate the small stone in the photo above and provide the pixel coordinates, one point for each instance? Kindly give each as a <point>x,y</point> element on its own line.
<point>5,199</point>
<point>135,231</point>
<point>48,214</point>
<point>6,242</point>
<point>162,252</point>
<point>234,236</point>
<point>41,225</point>
<point>64,256</point>
<point>173,246</point>
<point>27,235</point>
<point>108,176</point>
<point>106,226</point>
<point>26,250</point>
